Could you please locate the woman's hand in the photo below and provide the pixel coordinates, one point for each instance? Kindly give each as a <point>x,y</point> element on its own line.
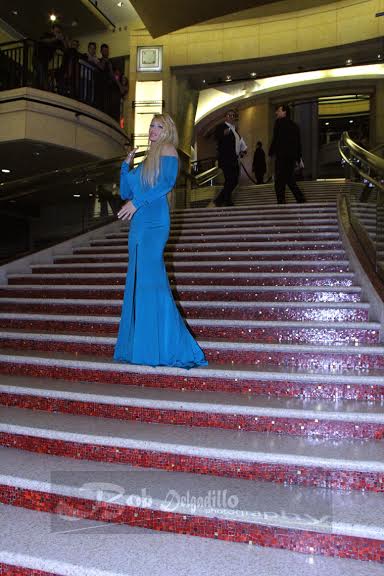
<point>127,211</point>
<point>130,156</point>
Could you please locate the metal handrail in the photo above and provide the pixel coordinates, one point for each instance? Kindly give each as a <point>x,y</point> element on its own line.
<point>28,186</point>
<point>361,153</point>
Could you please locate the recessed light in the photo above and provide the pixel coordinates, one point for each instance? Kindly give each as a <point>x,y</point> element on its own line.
<point>15,12</point>
<point>5,171</point>
<point>203,81</point>
<point>327,123</point>
<point>351,121</point>
<point>53,17</point>
<point>348,62</point>
<point>253,74</point>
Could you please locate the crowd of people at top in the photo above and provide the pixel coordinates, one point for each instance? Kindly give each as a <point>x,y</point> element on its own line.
<point>85,76</point>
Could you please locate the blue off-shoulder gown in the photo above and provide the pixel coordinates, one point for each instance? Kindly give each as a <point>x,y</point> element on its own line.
<point>151,330</point>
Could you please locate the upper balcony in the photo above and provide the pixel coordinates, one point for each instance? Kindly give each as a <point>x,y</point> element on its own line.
<point>60,100</point>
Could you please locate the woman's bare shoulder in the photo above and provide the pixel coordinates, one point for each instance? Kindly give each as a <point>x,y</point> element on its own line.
<point>169,150</point>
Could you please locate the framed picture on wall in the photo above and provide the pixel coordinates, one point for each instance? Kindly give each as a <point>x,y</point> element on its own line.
<point>149,58</point>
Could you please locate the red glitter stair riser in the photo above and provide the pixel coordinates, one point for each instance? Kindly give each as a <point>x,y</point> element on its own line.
<point>245,312</point>
<point>8,570</point>
<point>234,356</point>
<point>287,426</point>
<point>184,294</point>
<point>207,281</point>
<point>304,541</point>
<point>271,335</point>
<point>278,473</point>
<point>269,388</point>
<point>235,268</point>
<point>106,258</point>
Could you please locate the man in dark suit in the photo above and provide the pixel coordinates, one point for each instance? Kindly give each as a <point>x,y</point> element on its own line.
<point>230,147</point>
<point>286,148</point>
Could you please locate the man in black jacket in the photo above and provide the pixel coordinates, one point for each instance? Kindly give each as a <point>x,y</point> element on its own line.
<point>230,147</point>
<point>286,148</point>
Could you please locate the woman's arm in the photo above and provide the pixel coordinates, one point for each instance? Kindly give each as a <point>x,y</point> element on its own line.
<point>165,183</point>
<point>126,192</point>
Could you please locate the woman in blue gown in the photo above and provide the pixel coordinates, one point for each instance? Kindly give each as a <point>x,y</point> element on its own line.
<point>151,330</point>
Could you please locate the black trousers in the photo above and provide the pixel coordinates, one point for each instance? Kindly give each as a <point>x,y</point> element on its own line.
<point>285,176</point>
<point>231,173</point>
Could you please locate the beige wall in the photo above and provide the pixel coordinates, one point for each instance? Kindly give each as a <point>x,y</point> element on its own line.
<point>23,119</point>
<point>323,26</point>
<point>320,27</point>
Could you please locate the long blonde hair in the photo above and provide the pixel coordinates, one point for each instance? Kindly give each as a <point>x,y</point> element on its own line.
<point>151,164</point>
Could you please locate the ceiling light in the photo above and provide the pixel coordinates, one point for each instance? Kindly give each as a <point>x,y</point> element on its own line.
<point>253,74</point>
<point>379,56</point>
<point>228,78</point>
<point>120,4</point>
<point>15,12</point>
<point>203,81</point>
<point>348,62</point>
<point>53,17</point>
<point>351,121</point>
<point>5,171</point>
<point>327,123</point>
<point>76,195</point>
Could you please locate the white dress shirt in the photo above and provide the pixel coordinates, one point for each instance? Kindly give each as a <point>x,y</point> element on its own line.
<point>239,142</point>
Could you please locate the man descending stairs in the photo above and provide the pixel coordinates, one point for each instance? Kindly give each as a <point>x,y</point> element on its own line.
<point>269,460</point>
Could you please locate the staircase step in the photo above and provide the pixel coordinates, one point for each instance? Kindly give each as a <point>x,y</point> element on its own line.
<point>348,464</point>
<point>295,417</point>
<point>86,255</point>
<point>200,266</point>
<point>309,209</point>
<point>331,279</point>
<point>238,237</point>
<point>30,544</point>
<point>257,354</point>
<point>256,229</point>
<point>291,332</point>
<point>261,311</point>
<point>192,292</point>
<point>237,509</point>
<point>277,381</point>
<point>272,246</point>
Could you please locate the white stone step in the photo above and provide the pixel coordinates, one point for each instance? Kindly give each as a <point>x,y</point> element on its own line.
<point>236,373</point>
<point>307,208</point>
<point>241,275</point>
<point>29,541</point>
<point>251,447</point>
<point>201,263</point>
<point>192,287</point>
<point>203,402</point>
<point>255,502</point>
<point>272,348</point>
<point>224,254</point>
<point>333,306</point>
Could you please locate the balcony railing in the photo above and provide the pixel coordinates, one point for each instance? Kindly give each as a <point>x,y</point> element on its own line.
<point>27,63</point>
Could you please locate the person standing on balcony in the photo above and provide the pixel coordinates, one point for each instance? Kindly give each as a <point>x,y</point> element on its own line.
<point>151,330</point>
<point>230,148</point>
<point>286,148</point>
<point>47,46</point>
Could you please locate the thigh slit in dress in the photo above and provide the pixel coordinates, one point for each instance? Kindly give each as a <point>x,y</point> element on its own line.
<point>152,331</point>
